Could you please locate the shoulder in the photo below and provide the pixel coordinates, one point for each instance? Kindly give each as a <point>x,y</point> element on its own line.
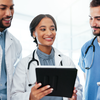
<point>87,44</point>
<point>24,62</point>
<point>15,42</point>
<point>13,38</point>
<point>66,60</point>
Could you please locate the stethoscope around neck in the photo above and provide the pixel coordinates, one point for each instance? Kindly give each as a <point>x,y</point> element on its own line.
<point>33,59</point>
<point>91,45</point>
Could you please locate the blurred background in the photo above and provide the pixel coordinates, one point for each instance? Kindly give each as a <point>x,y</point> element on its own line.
<point>72,17</point>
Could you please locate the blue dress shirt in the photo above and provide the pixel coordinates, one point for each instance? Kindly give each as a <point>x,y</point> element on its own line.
<point>3,76</point>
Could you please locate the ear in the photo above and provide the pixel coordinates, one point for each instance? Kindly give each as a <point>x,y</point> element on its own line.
<point>34,34</point>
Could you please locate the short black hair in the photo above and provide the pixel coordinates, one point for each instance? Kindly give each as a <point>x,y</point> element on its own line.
<point>95,3</point>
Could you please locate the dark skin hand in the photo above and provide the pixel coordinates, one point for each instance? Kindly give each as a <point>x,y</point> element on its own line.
<point>74,96</point>
<point>37,94</point>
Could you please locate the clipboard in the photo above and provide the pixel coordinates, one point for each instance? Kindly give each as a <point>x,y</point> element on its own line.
<point>62,80</point>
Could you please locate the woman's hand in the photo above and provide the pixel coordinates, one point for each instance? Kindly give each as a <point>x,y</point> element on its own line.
<point>74,96</point>
<point>37,94</point>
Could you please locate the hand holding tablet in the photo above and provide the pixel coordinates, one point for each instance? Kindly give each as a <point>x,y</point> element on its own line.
<point>62,80</point>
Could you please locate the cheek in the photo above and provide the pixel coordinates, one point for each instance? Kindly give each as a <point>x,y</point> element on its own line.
<point>1,15</point>
<point>98,24</point>
<point>12,12</point>
<point>55,34</point>
<point>90,23</point>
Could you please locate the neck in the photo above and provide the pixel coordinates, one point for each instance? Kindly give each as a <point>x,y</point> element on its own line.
<point>2,29</point>
<point>45,49</point>
<point>98,38</point>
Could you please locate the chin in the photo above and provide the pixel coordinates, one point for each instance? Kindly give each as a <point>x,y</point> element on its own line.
<point>96,34</point>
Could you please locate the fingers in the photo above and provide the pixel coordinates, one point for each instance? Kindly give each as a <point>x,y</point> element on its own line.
<point>74,96</point>
<point>45,92</point>
<point>38,93</point>
<point>36,86</point>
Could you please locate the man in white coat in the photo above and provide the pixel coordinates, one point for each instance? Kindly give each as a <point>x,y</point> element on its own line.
<point>10,49</point>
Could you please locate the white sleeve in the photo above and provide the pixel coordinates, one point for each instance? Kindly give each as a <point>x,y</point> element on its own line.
<point>18,89</point>
<point>79,89</point>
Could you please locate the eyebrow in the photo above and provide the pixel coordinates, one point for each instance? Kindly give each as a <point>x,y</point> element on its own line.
<point>5,5</point>
<point>95,16</point>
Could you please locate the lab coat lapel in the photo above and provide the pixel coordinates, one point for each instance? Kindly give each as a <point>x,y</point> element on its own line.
<point>8,42</point>
<point>58,58</point>
<point>8,53</point>
<point>8,60</point>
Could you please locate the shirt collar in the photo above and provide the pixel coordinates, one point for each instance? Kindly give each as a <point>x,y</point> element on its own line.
<point>3,32</point>
<point>44,55</point>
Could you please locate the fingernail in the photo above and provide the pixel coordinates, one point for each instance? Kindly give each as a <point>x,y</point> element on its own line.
<point>48,86</point>
<point>40,84</point>
<point>51,89</point>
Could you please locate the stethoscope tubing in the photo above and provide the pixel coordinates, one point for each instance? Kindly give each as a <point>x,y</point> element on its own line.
<point>92,45</point>
<point>33,59</point>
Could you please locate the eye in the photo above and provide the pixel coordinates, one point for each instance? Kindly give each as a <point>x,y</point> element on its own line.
<point>43,29</point>
<point>98,19</point>
<point>52,29</point>
<point>91,18</point>
<point>11,7</point>
<point>3,8</point>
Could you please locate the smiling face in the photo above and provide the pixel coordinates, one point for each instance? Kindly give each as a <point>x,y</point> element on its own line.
<point>95,20</point>
<point>6,13</point>
<point>45,33</point>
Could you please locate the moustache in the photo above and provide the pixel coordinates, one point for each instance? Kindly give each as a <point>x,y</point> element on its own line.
<point>7,17</point>
<point>95,27</point>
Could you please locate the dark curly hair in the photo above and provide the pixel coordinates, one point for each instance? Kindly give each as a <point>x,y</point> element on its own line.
<point>36,21</point>
<point>95,3</point>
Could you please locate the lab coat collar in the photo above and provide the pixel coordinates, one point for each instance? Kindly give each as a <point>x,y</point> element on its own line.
<point>8,41</point>
<point>58,57</point>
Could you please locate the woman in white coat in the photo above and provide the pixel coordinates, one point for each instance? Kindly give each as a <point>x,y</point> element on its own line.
<point>43,29</point>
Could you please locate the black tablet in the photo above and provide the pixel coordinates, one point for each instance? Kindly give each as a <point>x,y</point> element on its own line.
<point>62,80</point>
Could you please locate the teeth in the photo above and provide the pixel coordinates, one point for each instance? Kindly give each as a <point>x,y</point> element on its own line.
<point>8,19</point>
<point>48,38</point>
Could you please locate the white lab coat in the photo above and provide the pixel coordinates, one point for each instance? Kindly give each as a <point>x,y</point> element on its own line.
<point>20,89</point>
<point>13,51</point>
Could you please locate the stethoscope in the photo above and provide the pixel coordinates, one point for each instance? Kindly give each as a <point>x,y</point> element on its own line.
<point>33,59</point>
<point>91,45</point>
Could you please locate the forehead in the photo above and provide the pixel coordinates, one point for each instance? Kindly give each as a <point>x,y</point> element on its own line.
<point>46,21</point>
<point>6,2</point>
<point>94,11</point>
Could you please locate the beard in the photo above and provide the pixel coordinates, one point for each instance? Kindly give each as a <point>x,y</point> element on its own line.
<point>96,33</point>
<point>2,26</point>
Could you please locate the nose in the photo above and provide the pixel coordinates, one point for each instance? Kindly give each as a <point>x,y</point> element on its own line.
<point>93,22</point>
<point>8,12</point>
<point>49,32</point>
